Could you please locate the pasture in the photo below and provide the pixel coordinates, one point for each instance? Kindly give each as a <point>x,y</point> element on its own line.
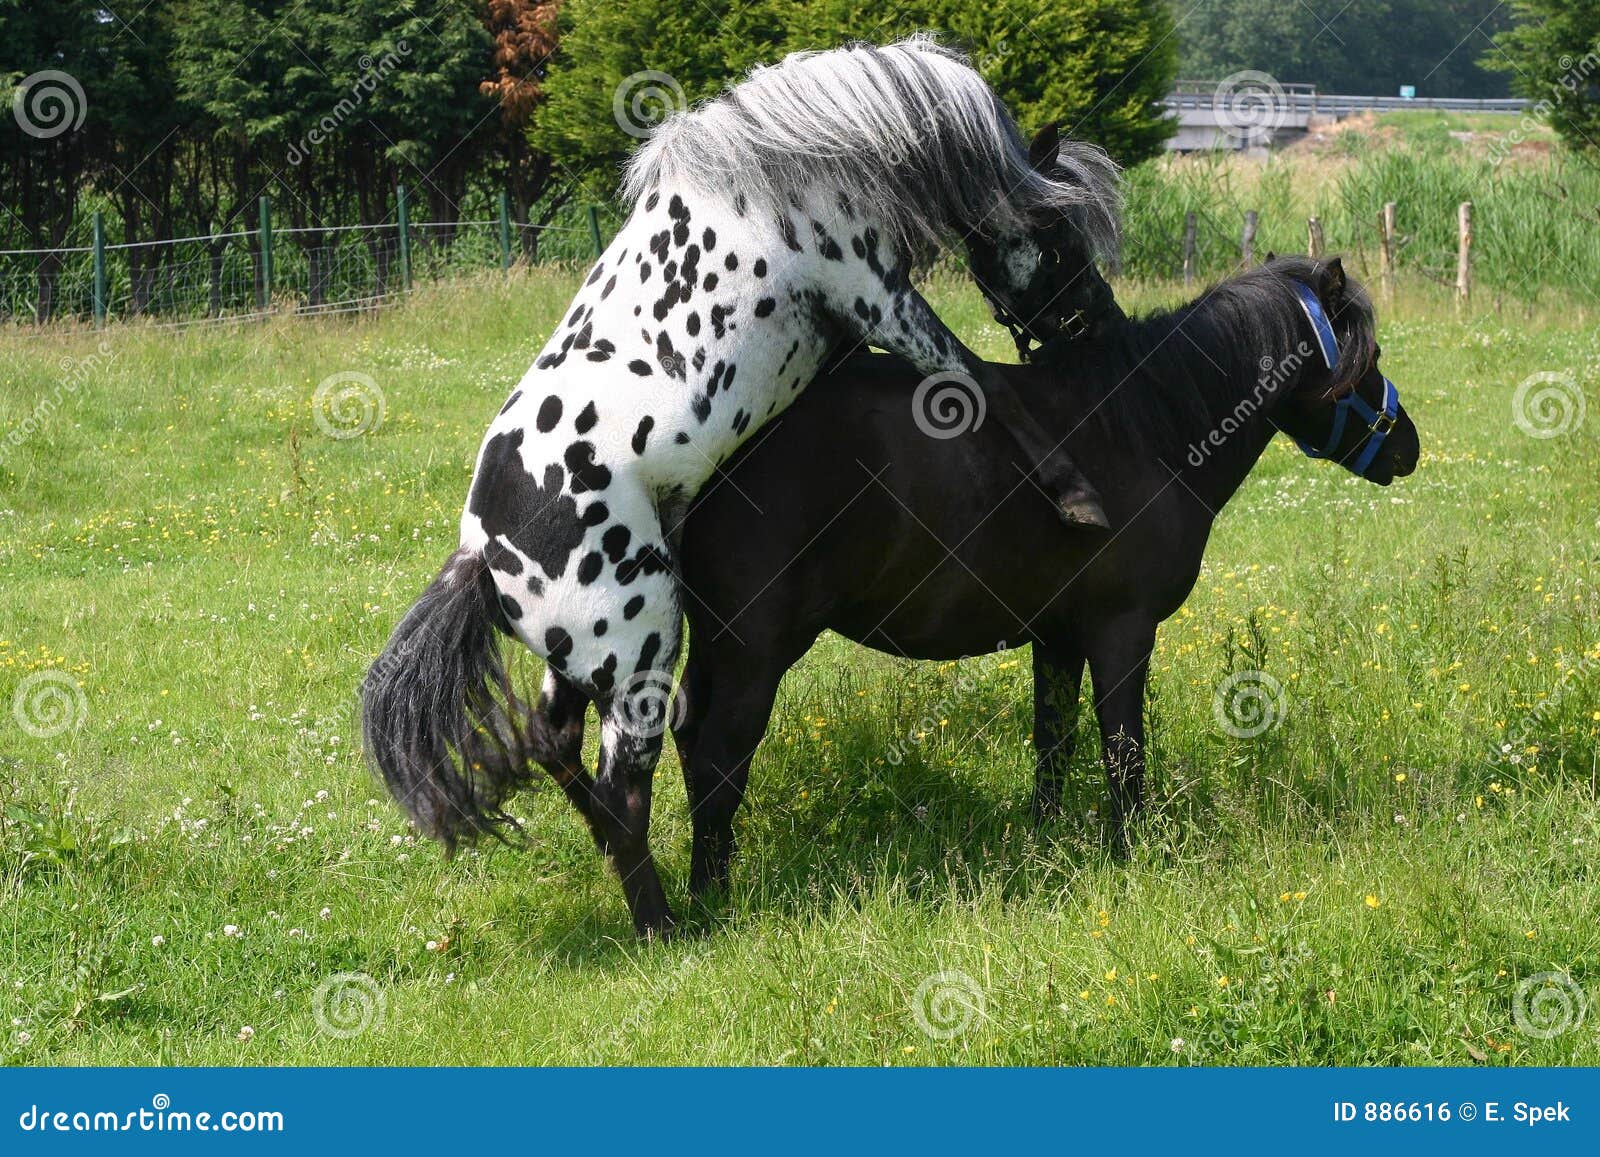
<point>190,865</point>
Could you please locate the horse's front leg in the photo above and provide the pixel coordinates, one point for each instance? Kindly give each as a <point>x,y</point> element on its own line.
<point>1057,677</point>
<point>907,325</point>
<point>1119,661</point>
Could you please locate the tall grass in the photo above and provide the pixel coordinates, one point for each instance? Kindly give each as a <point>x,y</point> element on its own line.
<point>1536,221</point>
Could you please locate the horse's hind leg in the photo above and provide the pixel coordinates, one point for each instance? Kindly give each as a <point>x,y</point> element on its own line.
<point>556,737</point>
<point>730,696</point>
<point>1057,678</point>
<point>632,723</point>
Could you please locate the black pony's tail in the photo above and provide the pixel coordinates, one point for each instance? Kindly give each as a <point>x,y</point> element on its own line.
<point>439,719</point>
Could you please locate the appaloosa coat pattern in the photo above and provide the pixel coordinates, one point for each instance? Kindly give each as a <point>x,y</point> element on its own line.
<point>768,228</point>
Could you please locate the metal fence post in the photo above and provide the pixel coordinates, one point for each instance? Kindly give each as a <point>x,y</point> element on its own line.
<point>505,230</point>
<point>405,236</point>
<point>266,251</point>
<point>594,232</point>
<point>99,268</point>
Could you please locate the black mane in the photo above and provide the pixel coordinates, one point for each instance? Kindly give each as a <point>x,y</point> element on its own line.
<point>1158,381</point>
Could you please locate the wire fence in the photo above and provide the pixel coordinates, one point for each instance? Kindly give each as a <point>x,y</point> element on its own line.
<point>269,269</point>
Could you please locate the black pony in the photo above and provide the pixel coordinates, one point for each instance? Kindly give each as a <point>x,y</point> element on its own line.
<point>939,549</point>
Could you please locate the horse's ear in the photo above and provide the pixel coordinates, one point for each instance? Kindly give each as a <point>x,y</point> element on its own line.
<point>1333,283</point>
<point>1271,257</point>
<point>1044,146</point>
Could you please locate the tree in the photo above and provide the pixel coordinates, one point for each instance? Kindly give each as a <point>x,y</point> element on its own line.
<point>1098,66</point>
<point>46,153</point>
<point>525,37</point>
<point>1359,46</point>
<point>1553,55</point>
<point>623,64</point>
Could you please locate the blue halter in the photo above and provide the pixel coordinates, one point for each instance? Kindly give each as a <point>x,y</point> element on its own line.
<point>1379,422</point>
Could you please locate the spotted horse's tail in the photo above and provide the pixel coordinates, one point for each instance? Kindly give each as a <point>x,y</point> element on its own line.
<point>440,721</point>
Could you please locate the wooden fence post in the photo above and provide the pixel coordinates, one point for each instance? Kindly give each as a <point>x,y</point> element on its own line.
<point>1247,241</point>
<point>594,232</point>
<point>403,216</point>
<point>266,252</point>
<point>99,269</point>
<point>1188,248</point>
<point>1314,243</point>
<point>1386,250</point>
<point>1464,253</point>
<point>505,230</point>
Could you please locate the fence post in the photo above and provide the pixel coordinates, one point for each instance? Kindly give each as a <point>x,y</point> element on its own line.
<point>1386,250</point>
<point>404,218</point>
<point>1247,241</point>
<point>1188,248</point>
<point>266,251</point>
<point>1314,237</point>
<point>1464,253</point>
<point>99,269</point>
<point>505,230</point>
<point>594,232</point>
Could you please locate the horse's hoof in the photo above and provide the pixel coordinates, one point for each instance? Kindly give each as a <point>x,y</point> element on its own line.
<point>1079,511</point>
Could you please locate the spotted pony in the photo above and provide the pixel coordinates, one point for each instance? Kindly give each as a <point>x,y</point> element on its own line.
<point>770,228</point>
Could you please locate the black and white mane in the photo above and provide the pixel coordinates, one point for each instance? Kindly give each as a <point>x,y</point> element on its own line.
<point>909,128</point>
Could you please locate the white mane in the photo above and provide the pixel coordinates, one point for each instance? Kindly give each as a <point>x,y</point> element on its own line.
<point>909,129</point>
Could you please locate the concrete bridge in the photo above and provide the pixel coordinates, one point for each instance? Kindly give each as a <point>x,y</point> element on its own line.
<point>1251,111</point>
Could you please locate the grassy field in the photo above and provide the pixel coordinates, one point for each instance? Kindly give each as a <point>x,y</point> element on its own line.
<point>196,868</point>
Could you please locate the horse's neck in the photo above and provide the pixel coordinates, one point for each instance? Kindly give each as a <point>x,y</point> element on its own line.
<point>1240,387</point>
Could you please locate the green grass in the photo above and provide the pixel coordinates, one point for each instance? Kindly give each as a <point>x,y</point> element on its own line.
<point>1361,884</point>
<point>1423,120</point>
<point>1536,229</point>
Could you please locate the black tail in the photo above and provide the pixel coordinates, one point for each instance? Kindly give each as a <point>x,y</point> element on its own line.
<point>438,715</point>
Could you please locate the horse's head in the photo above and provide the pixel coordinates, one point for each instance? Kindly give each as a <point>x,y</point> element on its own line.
<point>1040,277</point>
<point>1343,407</point>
